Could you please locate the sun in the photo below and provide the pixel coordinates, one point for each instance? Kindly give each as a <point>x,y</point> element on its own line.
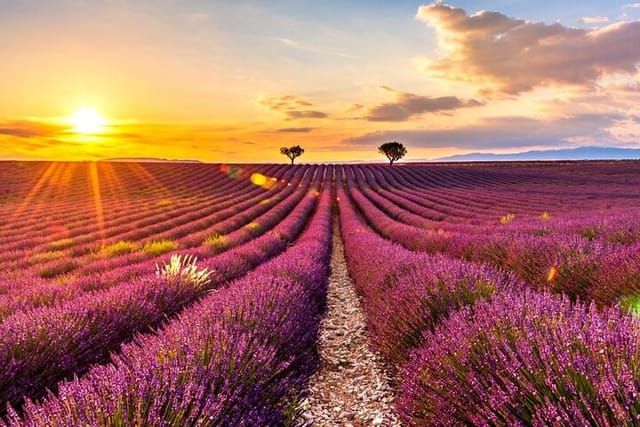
<point>87,120</point>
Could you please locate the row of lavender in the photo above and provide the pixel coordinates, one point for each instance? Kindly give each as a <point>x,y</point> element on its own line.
<point>80,329</point>
<point>582,267</point>
<point>479,206</point>
<point>45,202</point>
<point>133,221</point>
<point>474,345</point>
<point>228,224</point>
<point>41,346</point>
<point>484,206</point>
<point>189,231</point>
<point>238,357</point>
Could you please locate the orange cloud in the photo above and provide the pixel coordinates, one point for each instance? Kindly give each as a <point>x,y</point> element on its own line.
<point>511,56</point>
<point>222,142</point>
<point>295,130</point>
<point>31,129</point>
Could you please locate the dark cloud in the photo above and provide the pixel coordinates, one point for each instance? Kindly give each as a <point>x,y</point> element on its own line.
<point>295,130</point>
<point>409,105</point>
<point>501,132</point>
<point>30,129</point>
<point>512,55</point>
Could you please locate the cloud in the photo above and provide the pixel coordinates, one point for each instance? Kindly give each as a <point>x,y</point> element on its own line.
<point>312,49</point>
<point>500,132</point>
<point>620,84</point>
<point>409,105</point>
<point>30,129</point>
<point>234,140</point>
<point>593,19</point>
<point>511,56</point>
<point>294,130</point>
<point>293,107</point>
<point>35,147</point>
<point>631,6</point>
<point>307,114</point>
<point>285,102</point>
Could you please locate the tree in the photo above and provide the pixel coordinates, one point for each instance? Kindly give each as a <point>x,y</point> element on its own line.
<point>292,152</point>
<point>393,150</point>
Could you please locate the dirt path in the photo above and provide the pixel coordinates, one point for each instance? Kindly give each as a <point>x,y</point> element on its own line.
<point>350,388</point>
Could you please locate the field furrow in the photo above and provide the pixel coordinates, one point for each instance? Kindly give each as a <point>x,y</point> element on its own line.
<point>192,294</point>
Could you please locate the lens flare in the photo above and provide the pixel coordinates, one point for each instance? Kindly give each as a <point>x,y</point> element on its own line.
<point>232,171</point>
<point>263,181</point>
<point>258,179</point>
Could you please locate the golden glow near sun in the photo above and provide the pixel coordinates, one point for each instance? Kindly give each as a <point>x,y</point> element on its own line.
<point>87,121</point>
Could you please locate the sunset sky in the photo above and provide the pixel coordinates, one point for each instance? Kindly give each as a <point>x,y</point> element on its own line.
<point>233,81</point>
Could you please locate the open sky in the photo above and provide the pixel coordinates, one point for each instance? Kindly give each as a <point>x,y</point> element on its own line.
<point>235,80</point>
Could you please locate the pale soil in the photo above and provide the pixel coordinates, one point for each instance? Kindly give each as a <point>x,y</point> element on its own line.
<point>351,387</point>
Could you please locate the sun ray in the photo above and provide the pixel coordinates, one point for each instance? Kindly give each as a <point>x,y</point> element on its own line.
<point>64,179</point>
<point>97,197</point>
<point>112,180</point>
<point>28,200</point>
<point>144,175</point>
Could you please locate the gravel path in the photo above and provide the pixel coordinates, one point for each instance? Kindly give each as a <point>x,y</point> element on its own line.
<point>350,387</point>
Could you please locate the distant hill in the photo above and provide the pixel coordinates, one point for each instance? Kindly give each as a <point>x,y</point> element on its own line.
<point>148,160</point>
<point>578,153</point>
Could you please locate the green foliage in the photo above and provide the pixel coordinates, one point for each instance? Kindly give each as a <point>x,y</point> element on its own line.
<point>508,218</point>
<point>60,244</point>
<point>57,268</point>
<point>544,231</point>
<point>115,249</point>
<point>590,233</point>
<point>159,247</point>
<point>216,242</point>
<point>631,304</point>
<point>40,257</point>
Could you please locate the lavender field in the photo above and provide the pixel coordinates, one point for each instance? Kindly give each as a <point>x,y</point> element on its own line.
<point>173,294</point>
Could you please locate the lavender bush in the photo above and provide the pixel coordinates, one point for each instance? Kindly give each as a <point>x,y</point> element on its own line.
<point>236,358</point>
<point>526,359</point>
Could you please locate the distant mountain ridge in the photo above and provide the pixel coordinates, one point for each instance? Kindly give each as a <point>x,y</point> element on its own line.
<point>578,153</point>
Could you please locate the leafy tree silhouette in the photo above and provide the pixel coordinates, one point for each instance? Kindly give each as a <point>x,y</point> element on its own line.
<point>393,150</point>
<point>292,152</point>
